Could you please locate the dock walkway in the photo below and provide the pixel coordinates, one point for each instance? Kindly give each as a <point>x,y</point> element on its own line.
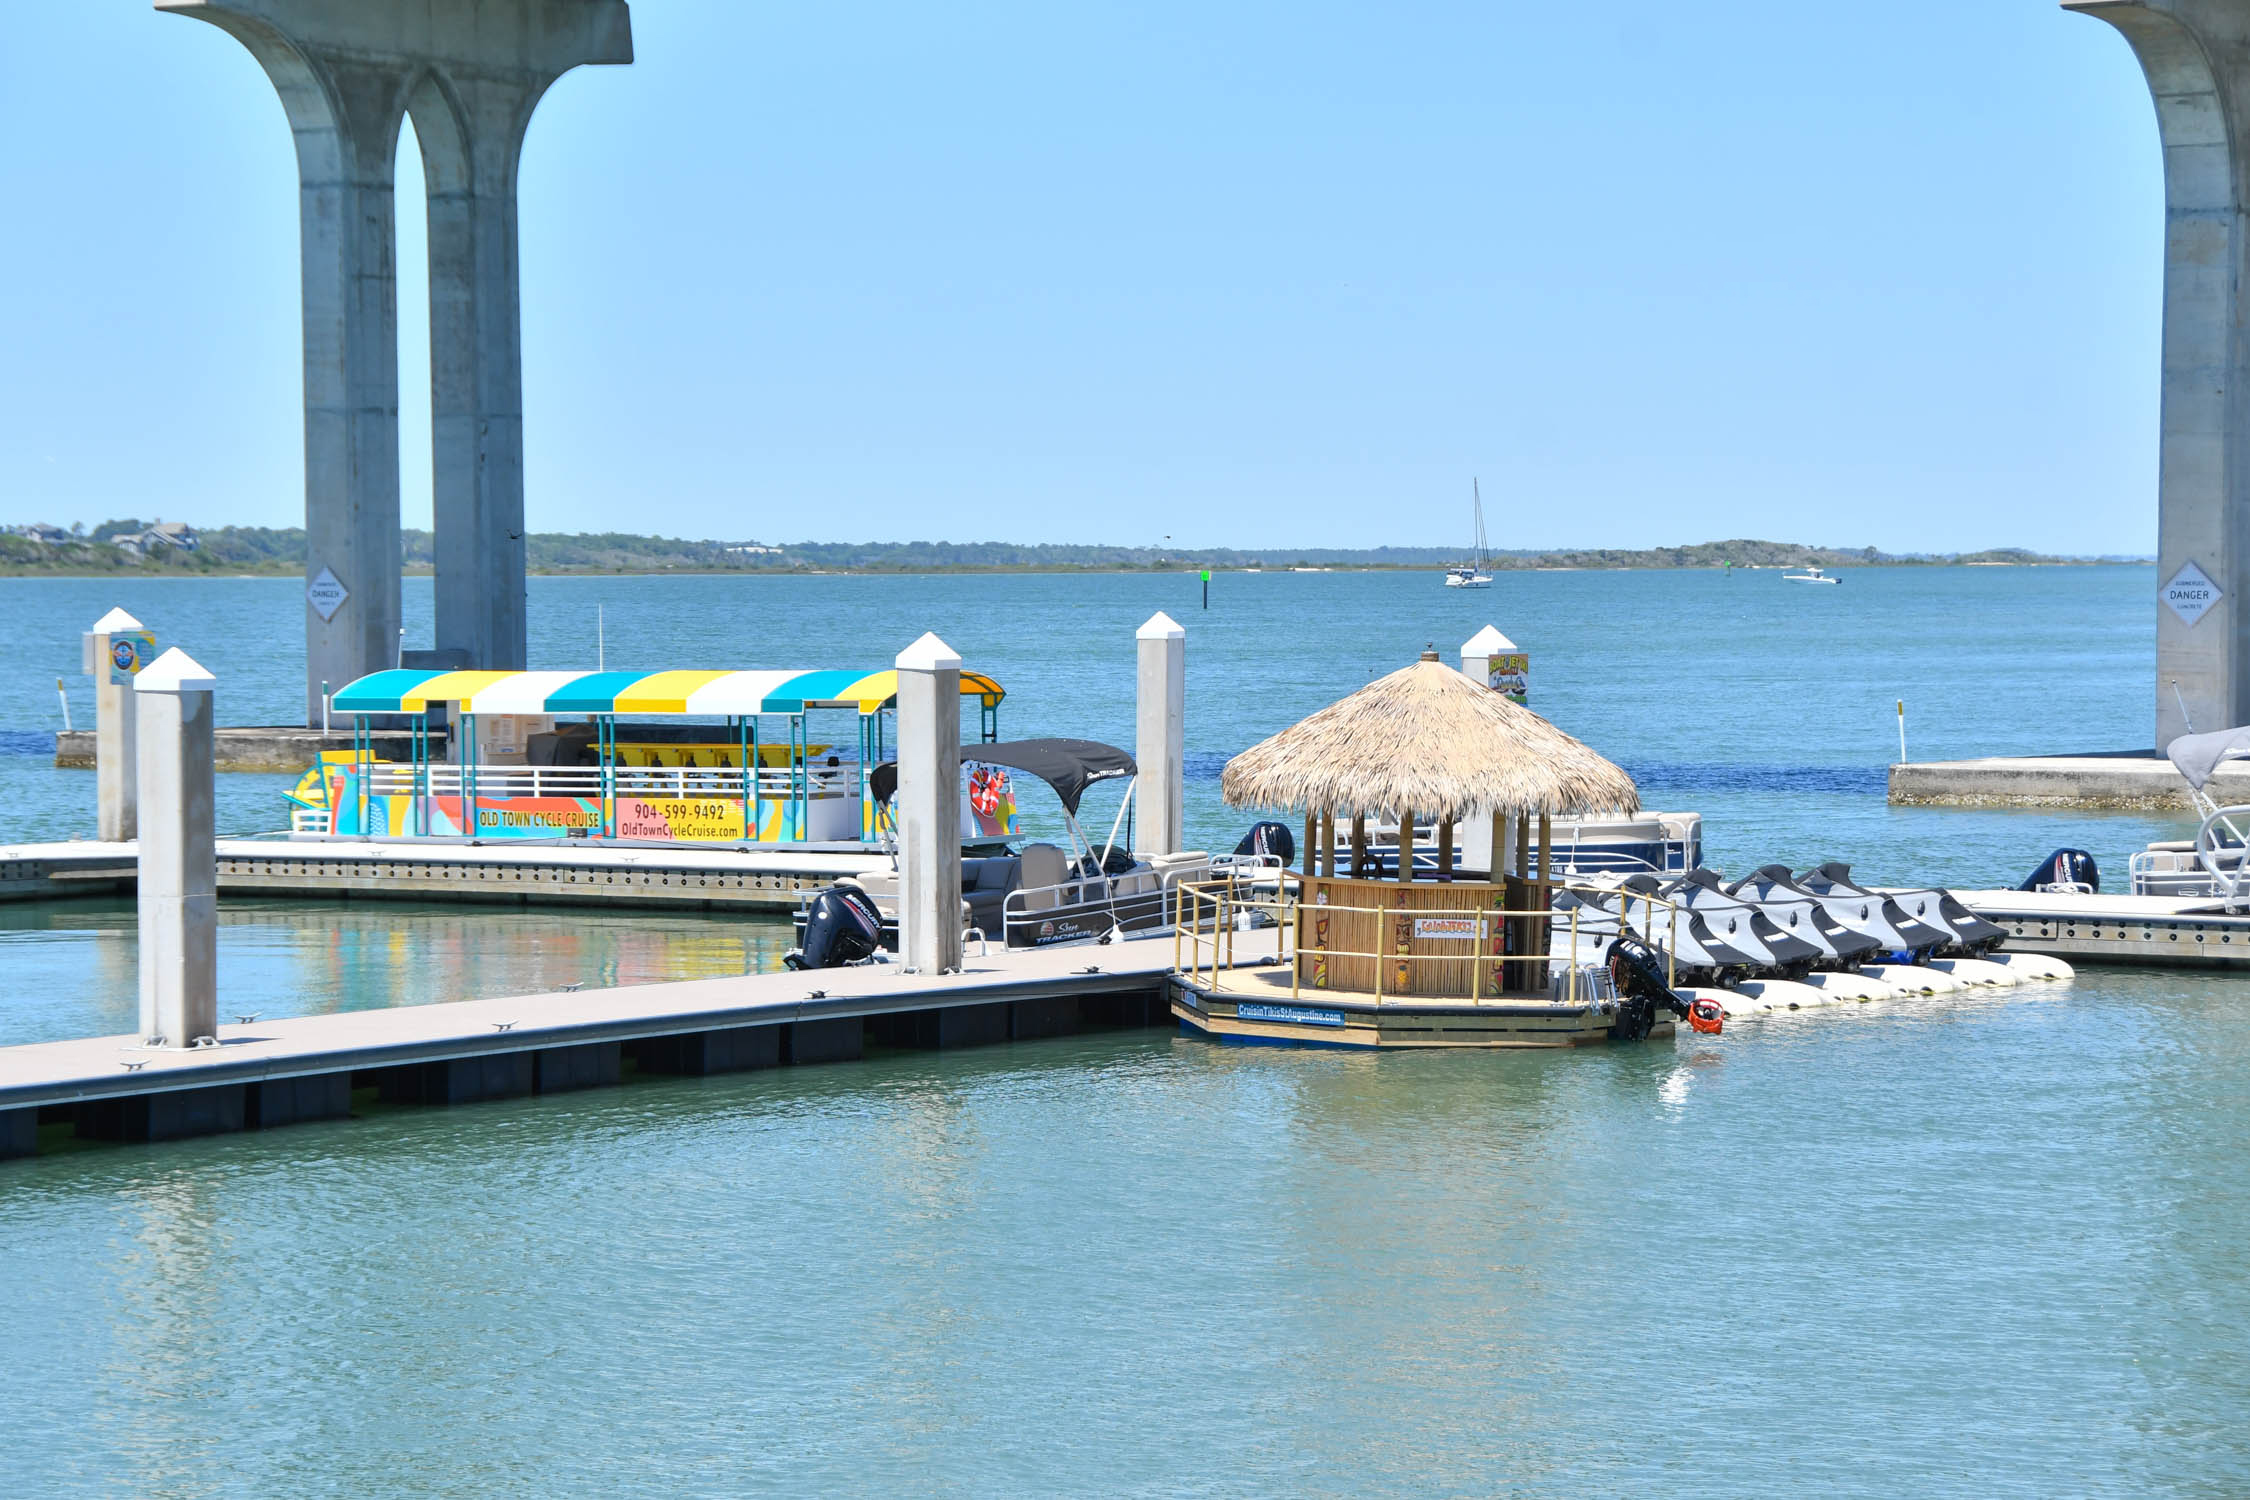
<point>452,870</point>
<point>267,1073</point>
<point>2163,930</point>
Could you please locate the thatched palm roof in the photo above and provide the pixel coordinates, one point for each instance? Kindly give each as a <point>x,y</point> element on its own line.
<point>1429,741</point>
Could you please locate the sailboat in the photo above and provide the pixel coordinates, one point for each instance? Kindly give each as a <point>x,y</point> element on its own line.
<point>1472,575</point>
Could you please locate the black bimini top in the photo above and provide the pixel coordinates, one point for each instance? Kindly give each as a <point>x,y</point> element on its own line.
<point>1069,766</point>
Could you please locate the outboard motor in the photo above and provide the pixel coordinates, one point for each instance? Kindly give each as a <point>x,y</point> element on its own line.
<point>1637,969</point>
<point>1270,839</point>
<point>2065,869</point>
<point>842,927</point>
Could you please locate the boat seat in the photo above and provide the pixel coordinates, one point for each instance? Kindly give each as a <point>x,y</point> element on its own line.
<point>1187,865</point>
<point>1043,865</point>
<point>985,884</point>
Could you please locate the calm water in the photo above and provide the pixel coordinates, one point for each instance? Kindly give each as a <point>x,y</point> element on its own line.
<point>1963,1248</point>
<point>71,966</point>
<point>1989,1248</point>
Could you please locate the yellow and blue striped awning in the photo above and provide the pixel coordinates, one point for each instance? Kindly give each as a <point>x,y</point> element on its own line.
<point>700,694</point>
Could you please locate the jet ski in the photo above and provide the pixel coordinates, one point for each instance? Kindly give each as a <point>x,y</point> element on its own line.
<point>1837,972</point>
<point>1956,960</point>
<point>1901,942</point>
<point>1812,954</point>
<point>1699,957</point>
<point>1720,947</point>
<point>1967,935</point>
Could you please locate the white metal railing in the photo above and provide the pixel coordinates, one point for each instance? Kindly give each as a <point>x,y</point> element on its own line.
<point>1145,892</point>
<point>2191,868</point>
<point>311,820</point>
<point>1076,895</point>
<point>387,778</point>
<point>1206,917</point>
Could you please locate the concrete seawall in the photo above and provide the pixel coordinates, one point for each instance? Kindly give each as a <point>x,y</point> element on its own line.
<point>2141,782</point>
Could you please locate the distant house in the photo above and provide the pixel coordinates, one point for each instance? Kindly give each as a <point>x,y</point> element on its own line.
<point>40,531</point>
<point>156,537</point>
<point>755,550</point>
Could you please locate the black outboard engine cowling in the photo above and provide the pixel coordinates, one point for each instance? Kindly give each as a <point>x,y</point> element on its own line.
<point>1269,838</point>
<point>2065,867</point>
<point>842,927</point>
<point>1637,969</point>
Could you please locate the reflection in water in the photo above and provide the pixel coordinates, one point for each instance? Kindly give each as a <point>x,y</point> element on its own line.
<point>1947,1249</point>
<point>169,1290</point>
<point>70,966</point>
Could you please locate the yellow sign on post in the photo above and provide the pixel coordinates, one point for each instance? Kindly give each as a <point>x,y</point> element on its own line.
<point>1510,673</point>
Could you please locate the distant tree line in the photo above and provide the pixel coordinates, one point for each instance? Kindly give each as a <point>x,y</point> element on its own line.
<point>281,550</point>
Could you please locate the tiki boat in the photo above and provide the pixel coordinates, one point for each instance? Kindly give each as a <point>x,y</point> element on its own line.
<point>776,759</point>
<point>1427,957</point>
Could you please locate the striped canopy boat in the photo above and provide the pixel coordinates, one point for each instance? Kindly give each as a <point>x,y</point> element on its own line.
<point>505,769</point>
<point>697,693</point>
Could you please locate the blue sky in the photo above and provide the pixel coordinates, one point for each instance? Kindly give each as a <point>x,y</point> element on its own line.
<point>1239,275</point>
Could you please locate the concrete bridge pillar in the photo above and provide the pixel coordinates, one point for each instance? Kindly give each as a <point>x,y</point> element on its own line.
<point>2196,55</point>
<point>470,73</point>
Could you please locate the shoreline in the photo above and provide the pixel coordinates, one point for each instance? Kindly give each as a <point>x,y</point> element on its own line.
<point>146,574</point>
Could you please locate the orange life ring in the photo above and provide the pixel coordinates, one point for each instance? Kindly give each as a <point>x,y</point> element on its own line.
<point>1707,1015</point>
<point>985,788</point>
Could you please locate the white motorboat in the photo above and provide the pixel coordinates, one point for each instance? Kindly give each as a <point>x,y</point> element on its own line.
<point>1647,843</point>
<point>2210,866</point>
<point>1035,897</point>
<point>1475,574</point>
<point>1810,575</point>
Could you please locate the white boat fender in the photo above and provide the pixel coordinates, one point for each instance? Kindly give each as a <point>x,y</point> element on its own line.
<point>1849,986</point>
<point>1913,978</point>
<point>1783,994</point>
<point>1977,971</point>
<point>2034,965</point>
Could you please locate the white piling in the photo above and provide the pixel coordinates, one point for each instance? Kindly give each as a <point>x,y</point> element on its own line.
<point>929,807</point>
<point>114,758</point>
<point>1497,662</point>
<point>1490,659</point>
<point>179,868</point>
<point>1161,730</point>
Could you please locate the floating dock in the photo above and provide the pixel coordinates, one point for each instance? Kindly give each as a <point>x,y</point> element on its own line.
<point>1256,1005</point>
<point>2159,930</point>
<point>268,1073</point>
<point>608,874</point>
<point>2133,779</point>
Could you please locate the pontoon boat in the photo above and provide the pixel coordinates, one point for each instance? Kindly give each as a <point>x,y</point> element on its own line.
<point>743,757</point>
<point>2210,865</point>
<point>1045,894</point>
